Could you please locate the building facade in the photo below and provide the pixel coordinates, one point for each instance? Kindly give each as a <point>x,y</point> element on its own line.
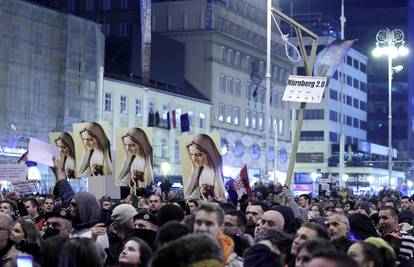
<point>124,106</point>
<point>51,64</point>
<point>225,60</point>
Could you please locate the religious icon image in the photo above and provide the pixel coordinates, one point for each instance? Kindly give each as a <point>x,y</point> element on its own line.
<point>134,171</point>
<point>67,162</point>
<point>96,155</point>
<point>206,174</point>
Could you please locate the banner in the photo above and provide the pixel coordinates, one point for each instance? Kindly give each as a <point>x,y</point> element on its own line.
<point>145,15</point>
<point>330,57</point>
<point>67,163</point>
<point>134,163</point>
<point>13,172</point>
<point>93,149</point>
<point>202,166</point>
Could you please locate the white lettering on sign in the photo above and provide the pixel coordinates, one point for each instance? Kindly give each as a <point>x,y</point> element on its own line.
<point>304,89</point>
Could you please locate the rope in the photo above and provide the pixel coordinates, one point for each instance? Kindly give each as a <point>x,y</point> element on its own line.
<point>285,39</point>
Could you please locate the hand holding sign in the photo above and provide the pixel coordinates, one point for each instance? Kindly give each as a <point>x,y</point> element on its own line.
<point>42,152</point>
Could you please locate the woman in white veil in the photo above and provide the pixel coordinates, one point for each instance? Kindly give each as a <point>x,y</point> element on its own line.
<point>206,176</point>
<point>96,158</point>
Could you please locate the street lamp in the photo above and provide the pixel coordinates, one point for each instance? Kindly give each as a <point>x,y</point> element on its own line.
<point>391,44</point>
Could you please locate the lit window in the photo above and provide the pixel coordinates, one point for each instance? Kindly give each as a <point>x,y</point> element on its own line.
<point>236,116</point>
<point>202,120</point>
<point>123,109</point>
<point>229,114</point>
<point>221,112</point>
<point>247,119</point>
<point>138,108</point>
<point>254,120</point>
<point>261,124</point>
<point>108,101</point>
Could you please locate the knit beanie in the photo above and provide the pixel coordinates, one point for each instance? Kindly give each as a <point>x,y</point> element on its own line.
<point>122,213</point>
<point>170,212</point>
<point>364,205</point>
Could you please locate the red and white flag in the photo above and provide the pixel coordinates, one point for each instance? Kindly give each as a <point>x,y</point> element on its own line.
<point>241,184</point>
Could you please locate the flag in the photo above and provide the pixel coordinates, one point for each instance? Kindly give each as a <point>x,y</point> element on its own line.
<point>241,183</point>
<point>185,123</point>
<point>238,187</point>
<point>173,120</point>
<point>168,121</point>
<point>330,57</point>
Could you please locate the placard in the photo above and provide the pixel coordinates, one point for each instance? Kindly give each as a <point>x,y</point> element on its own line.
<point>42,152</point>
<point>13,172</point>
<point>304,89</point>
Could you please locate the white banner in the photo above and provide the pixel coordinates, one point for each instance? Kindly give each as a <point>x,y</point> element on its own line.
<point>304,89</point>
<point>13,172</point>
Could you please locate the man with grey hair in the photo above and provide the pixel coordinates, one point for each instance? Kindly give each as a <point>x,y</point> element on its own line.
<point>209,219</point>
<point>338,228</point>
<point>8,251</point>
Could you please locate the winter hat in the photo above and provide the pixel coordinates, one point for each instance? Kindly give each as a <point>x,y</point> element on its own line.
<point>148,216</point>
<point>170,212</point>
<point>122,213</point>
<point>361,226</point>
<point>364,205</point>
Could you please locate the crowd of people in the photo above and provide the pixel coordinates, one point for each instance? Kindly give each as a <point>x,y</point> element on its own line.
<point>161,228</point>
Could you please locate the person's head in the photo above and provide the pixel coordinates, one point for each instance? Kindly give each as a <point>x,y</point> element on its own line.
<point>25,229</point>
<point>190,250</point>
<point>365,254</point>
<point>49,204</point>
<point>279,240</point>
<point>209,219</point>
<point>389,202</point>
<point>65,142</point>
<point>234,222</point>
<point>6,227</point>
<point>305,232</point>
<point>362,207</point>
<point>123,217</point>
<point>80,251</point>
<point>146,220</point>
<point>388,220</point>
<point>136,142</point>
<point>304,200</point>
<point>170,212</point>
<point>32,207</point>
<point>272,219</point>
<point>332,259</point>
<point>84,208</point>
<point>254,212</point>
<point>135,253</point>
<point>8,206</point>
<point>386,251</point>
<point>106,203</point>
<point>316,210</point>
<point>309,248</point>
<point>171,231</point>
<point>338,225</point>
<point>192,205</point>
<point>406,203</point>
<point>155,202</point>
<point>347,206</point>
<point>56,225</point>
<point>51,249</point>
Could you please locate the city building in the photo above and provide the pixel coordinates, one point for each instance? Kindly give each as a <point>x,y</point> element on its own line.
<point>123,106</point>
<point>51,67</point>
<point>225,48</point>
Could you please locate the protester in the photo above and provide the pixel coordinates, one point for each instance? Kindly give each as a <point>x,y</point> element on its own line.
<point>135,253</point>
<point>8,251</point>
<point>79,252</point>
<point>308,249</point>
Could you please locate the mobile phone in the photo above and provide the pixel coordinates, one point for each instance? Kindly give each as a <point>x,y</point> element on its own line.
<point>24,261</point>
